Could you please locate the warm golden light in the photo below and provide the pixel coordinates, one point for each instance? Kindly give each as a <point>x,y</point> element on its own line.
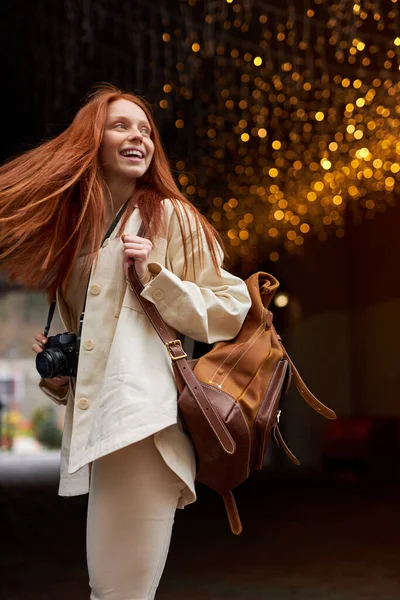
<point>326,99</point>
<point>362,153</point>
<point>281,299</point>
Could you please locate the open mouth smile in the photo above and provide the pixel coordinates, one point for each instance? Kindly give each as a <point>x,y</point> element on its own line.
<point>132,154</point>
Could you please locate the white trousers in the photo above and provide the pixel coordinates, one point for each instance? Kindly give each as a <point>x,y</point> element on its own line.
<point>132,501</point>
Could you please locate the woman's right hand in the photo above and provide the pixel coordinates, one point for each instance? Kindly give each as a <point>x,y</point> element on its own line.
<point>57,381</point>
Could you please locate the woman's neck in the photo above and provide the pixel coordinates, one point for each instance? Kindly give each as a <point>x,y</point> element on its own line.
<point>121,191</point>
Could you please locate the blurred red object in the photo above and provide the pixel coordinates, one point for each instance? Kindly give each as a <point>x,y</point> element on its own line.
<point>358,443</point>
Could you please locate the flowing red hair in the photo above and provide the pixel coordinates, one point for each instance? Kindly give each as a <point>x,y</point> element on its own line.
<point>53,199</point>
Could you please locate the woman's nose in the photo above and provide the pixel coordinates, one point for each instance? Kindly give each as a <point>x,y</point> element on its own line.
<point>135,134</point>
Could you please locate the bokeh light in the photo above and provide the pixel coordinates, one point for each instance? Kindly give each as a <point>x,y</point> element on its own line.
<point>298,118</point>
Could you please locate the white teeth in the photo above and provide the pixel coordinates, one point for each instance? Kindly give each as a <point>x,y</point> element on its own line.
<point>135,153</point>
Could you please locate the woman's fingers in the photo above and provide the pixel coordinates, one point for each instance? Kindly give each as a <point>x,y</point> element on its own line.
<point>37,348</point>
<point>137,251</point>
<point>138,247</point>
<point>60,380</point>
<point>134,241</point>
<point>126,238</point>
<point>39,337</point>
<point>136,254</point>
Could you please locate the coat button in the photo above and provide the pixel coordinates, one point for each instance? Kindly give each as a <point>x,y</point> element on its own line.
<point>95,289</point>
<point>158,294</point>
<point>83,403</point>
<point>88,345</point>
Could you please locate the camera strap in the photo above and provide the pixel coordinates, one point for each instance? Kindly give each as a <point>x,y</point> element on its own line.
<point>53,302</point>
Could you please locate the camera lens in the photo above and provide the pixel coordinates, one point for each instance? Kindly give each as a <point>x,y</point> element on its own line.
<point>50,363</point>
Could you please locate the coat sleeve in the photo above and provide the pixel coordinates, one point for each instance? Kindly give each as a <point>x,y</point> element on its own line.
<point>204,306</point>
<point>59,394</point>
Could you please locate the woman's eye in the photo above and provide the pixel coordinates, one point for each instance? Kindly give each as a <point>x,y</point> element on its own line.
<point>145,130</point>
<point>120,125</point>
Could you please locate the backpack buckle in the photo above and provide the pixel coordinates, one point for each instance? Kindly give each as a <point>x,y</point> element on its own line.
<point>168,345</point>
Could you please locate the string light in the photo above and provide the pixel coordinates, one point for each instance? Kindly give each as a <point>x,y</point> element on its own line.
<point>296,118</point>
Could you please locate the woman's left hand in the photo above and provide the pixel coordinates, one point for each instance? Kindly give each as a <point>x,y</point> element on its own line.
<point>136,252</point>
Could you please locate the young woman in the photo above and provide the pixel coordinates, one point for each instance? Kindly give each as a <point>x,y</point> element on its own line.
<point>123,442</point>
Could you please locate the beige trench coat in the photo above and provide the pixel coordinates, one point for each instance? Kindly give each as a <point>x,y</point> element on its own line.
<point>125,389</point>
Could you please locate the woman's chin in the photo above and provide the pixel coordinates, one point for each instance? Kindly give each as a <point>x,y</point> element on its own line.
<point>133,172</point>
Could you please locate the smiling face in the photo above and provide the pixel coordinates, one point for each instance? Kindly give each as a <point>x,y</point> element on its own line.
<point>127,148</point>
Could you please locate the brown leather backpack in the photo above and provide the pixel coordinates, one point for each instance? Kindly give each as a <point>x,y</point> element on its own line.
<point>229,398</point>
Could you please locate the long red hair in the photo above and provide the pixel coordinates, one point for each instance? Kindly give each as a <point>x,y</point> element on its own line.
<point>53,199</point>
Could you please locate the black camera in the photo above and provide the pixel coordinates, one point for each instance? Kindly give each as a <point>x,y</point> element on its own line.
<point>58,357</point>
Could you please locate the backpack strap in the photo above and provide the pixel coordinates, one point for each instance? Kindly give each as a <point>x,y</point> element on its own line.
<point>280,443</point>
<point>183,373</point>
<point>232,513</point>
<point>304,391</point>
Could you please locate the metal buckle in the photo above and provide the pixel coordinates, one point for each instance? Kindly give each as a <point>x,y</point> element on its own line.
<point>175,343</point>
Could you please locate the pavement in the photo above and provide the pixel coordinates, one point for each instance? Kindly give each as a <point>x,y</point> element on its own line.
<point>309,537</point>
<point>29,466</point>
